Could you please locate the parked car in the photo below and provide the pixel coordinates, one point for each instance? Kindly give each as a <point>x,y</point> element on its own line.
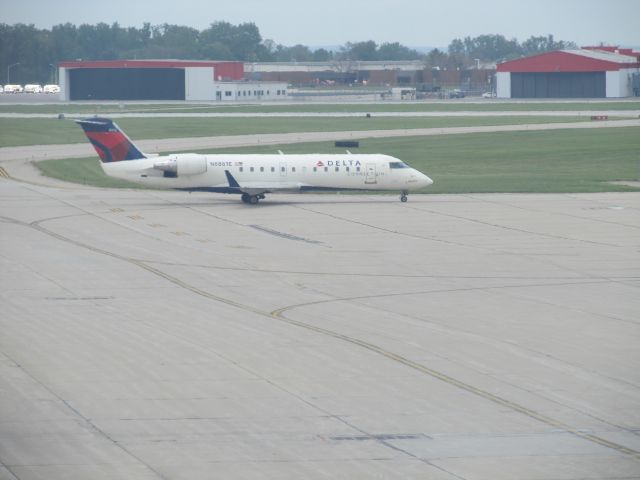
<point>13,89</point>
<point>32,88</point>
<point>1,89</point>
<point>489,95</point>
<point>456,93</point>
<point>51,89</point>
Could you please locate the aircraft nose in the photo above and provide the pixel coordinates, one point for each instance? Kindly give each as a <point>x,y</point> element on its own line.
<point>426,181</point>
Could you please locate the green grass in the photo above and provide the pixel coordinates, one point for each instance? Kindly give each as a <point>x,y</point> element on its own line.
<point>86,171</point>
<point>559,161</point>
<point>429,106</point>
<point>43,131</point>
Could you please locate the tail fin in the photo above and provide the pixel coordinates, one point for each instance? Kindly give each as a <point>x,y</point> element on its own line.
<point>110,142</point>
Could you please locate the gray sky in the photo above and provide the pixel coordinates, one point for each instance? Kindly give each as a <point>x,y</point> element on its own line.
<point>335,22</point>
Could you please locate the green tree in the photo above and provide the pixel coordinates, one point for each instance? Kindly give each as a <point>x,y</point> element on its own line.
<point>34,53</point>
<point>436,59</point>
<point>365,51</point>
<point>456,47</point>
<point>535,45</point>
<point>24,51</point>
<point>216,51</point>
<point>243,41</point>
<point>173,41</point>
<point>297,53</point>
<point>322,55</point>
<point>395,51</point>
<point>246,42</point>
<point>491,47</point>
<point>64,38</point>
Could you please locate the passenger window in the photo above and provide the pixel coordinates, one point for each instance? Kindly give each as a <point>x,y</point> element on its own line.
<point>337,169</point>
<point>241,168</point>
<point>357,169</point>
<point>251,169</point>
<point>262,169</point>
<point>293,169</point>
<point>326,169</point>
<point>273,169</point>
<point>347,169</point>
<point>315,169</point>
<point>282,169</point>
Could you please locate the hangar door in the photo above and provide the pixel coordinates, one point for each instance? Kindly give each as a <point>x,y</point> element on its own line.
<point>126,84</point>
<point>558,85</point>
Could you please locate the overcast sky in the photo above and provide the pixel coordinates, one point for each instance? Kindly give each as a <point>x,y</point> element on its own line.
<point>335,22</point>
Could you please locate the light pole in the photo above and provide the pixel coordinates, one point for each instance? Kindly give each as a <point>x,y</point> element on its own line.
<point>9,67</point>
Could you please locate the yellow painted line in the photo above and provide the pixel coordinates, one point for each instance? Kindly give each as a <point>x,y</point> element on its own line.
<point>3,173</point>
<point>279,314</point>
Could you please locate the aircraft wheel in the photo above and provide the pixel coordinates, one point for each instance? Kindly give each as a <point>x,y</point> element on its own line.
<point>253,199</point>
<point>403,198</point>
<point>246,197</point>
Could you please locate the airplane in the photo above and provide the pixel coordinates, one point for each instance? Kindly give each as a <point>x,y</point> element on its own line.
<point>250,175</point>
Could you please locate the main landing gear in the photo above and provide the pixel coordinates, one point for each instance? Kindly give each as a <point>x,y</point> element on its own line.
<point>403,196</point>
<point>252,199</point>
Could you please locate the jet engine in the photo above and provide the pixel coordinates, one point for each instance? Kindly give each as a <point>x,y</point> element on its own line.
<point>182,165</point>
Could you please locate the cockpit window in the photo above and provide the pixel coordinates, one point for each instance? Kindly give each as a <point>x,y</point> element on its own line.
<point>398,165</point>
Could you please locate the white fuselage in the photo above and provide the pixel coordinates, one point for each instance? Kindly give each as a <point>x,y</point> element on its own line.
<point>270,173</point>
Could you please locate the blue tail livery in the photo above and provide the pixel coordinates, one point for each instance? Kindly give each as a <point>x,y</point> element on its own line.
<point>111,143</point>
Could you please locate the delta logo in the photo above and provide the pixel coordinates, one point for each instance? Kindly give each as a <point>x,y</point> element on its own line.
<point>339,163</point>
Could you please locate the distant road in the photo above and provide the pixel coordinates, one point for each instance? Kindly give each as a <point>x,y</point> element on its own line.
<point>496,113</point>
<point>362,99</point>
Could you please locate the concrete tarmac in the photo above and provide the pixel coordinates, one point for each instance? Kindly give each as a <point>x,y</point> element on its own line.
<point>165,335</point>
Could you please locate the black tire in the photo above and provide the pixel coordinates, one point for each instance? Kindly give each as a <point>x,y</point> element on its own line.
<point>403,198</point>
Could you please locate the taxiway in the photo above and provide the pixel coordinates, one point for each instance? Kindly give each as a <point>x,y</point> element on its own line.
<point>162,335</point>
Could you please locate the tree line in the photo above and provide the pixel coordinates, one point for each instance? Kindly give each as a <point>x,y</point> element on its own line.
<point>30,54</point>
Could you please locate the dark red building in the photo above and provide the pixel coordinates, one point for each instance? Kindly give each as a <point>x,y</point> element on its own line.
<point>590,72</point>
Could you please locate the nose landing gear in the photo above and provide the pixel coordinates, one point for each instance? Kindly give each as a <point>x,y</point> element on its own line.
<point>403,196</point>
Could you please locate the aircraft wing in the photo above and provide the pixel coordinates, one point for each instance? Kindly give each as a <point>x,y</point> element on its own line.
<point>253,188</point>
<point>270,186</point>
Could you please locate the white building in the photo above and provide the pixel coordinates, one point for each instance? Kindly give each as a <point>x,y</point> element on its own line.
<point>250,91</point>
<point>192,81</point>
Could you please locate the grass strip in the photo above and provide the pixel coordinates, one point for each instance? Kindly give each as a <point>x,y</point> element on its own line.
<point>557,161</point>
<point>44,131</point>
